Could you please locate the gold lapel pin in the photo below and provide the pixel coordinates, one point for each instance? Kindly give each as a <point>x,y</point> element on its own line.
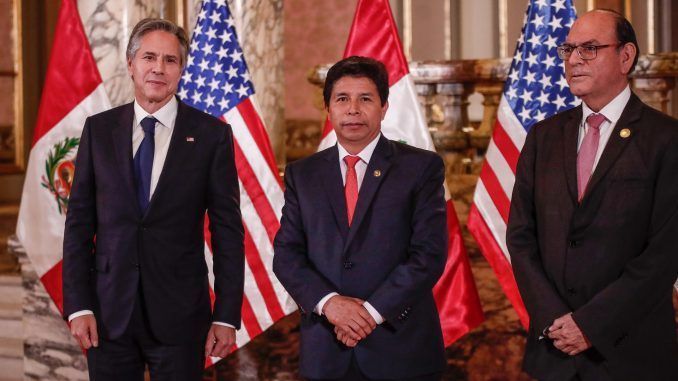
<point>376,173</point>
<point>625,133</point>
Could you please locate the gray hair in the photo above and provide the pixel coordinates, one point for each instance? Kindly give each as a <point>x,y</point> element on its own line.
<point>149,25</point>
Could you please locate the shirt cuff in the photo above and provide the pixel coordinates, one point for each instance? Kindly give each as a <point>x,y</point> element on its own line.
<point>374,313</point>
<point>223,324</point>
<point>319,307</point>
<point>78,314</point>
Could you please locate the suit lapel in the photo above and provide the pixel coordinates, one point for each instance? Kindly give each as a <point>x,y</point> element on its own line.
<point>380,161</point>
<point>571,136</point>
<point>179,151</point>
<point>330,177</point>
<point>616,144</point>
<point>122,141</point>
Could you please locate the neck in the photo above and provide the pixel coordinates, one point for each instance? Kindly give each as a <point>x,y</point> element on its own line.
<point>597,103</point>
<point>153,106</point>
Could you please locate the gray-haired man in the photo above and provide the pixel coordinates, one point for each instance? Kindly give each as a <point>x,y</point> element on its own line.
<point>146,174</point>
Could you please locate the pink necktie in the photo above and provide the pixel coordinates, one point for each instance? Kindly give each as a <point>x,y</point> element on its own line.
<point>587,152</point>
<point>351,187</point>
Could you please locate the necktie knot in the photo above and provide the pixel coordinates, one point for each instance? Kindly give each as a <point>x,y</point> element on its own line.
<point>595,120</point>
<point>351,161</point>
<point>148,125</point>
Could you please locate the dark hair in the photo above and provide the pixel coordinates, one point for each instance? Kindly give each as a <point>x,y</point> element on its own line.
<point>356,66</point>
<point>149,25</point>
<point>625,34</point>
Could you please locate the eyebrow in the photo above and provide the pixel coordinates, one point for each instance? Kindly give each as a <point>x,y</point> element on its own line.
<point>156,54</point>
<point>360,95</point>
<point>589,42</point>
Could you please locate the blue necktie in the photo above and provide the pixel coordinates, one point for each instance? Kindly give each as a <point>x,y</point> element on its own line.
<point>143,163</point>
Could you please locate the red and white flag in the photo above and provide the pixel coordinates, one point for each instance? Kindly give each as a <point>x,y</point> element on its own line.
<point>73,91</point>
<point>374,34</point>
<point>217,81</point>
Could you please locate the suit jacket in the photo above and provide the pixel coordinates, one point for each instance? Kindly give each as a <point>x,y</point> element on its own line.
<point>391,256</point>
<point>113,252</point>
<point>611,259</point>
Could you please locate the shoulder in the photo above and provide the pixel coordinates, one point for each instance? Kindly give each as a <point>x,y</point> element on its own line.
<point>314,160</point>
<point>418,157</point>
<point>112,115</point>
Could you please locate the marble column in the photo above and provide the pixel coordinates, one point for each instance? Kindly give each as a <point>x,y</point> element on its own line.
<point>50,352</point>
<point>260,30</point>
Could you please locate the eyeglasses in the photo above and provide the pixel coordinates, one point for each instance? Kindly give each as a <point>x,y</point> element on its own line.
<point>585,51</point>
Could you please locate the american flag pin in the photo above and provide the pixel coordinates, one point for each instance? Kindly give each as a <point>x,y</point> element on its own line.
<point>190,139</point>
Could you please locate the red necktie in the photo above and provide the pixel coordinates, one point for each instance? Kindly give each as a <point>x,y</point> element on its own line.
<point>587,152</point>
<point>351,187</point>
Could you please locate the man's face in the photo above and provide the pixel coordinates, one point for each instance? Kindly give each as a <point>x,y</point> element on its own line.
<point>599,80</point>
<point>156,69</point>
<point>356,112</point>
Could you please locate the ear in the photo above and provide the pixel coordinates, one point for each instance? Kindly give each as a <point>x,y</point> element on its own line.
<point>384,108</point>
<point>129,68</point>
<point>627,54</point>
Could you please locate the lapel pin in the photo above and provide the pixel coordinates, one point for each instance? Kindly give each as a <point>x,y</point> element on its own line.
<point>190,139</point>
<point>625,133</point>
<point>376,173</point>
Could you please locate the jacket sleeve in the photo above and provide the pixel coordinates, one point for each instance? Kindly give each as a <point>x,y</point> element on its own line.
<point>414,278</point>
<point>80,228</point>
<point>227,232</point>
<point>291,262</point>
<point>542,300</point>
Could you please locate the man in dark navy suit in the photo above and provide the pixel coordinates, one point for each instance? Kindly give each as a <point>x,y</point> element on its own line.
<point>136,290</point>
<point>363,240</point>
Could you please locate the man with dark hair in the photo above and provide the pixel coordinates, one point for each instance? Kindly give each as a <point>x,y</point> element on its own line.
<point>135,283</point>
<point>363,241</point>
<point>593,221</point>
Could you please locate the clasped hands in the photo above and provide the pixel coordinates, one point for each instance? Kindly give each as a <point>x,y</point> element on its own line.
<point>351,320</point>
<point>567,336</point>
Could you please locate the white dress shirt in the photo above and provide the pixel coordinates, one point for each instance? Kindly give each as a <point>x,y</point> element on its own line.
<point>612,111</point>
<point>360,168</point>
<point>164,127</point>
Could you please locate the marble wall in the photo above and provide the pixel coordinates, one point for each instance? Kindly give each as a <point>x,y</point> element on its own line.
<point>50,352</point>
<point>315,33</point>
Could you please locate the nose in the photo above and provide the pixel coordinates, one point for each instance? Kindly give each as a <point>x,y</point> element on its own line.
<point>159,66</point>
<point>575,57</point>
<point>353,107</point>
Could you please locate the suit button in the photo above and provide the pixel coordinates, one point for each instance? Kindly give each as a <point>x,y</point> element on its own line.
<point>574,244</point>
<point>348,265</point>
<point>571,291</point>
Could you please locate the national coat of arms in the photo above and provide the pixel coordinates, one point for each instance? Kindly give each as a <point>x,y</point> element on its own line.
<point>59,171</point>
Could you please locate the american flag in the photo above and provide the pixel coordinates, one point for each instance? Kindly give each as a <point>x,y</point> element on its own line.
<point>216,80</point>
<point>536,89</point>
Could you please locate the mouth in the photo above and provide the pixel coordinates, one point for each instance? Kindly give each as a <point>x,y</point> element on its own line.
<point>156,83</point>
<point>576,76</point>
<point>352,124</point>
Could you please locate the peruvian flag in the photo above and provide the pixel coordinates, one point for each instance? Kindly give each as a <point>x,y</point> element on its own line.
<point>73,91</point>
<point>374,34</point>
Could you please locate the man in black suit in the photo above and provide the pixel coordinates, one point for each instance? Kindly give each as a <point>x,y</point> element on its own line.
<point>363,240</point>
<point>593,225</point>
<point>136,289</point>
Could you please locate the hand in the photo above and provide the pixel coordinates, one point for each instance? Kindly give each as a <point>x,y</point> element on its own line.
<point>84,329</point>
<point>345,338</point>
<point>349,315</point>
<point>220,341</point>
<point>567,336</point>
